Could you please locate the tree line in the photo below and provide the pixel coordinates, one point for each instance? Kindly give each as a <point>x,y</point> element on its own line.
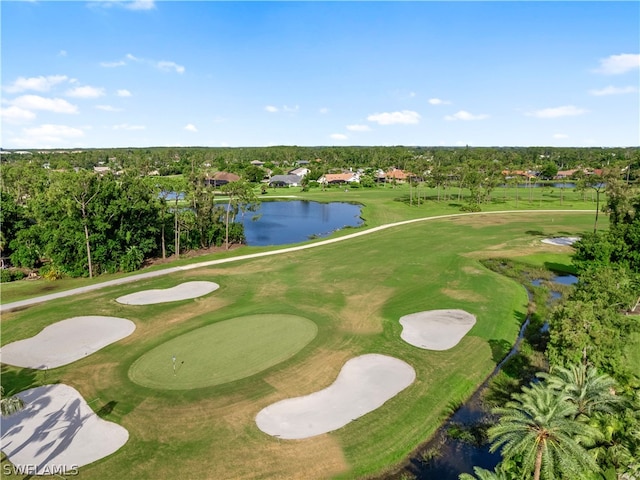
<point>186,160</point>
<point>79,223</point>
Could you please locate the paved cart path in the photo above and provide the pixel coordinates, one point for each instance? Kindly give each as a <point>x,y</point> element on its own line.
<point>157,273</point>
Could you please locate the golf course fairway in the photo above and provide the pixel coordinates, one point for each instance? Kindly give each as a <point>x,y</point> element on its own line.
<point>223,352</point>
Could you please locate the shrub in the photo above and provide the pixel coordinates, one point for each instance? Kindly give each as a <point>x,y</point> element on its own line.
<point>10,275</point>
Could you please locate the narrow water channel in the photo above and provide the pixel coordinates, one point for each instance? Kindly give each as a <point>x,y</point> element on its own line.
<point>445,458</point>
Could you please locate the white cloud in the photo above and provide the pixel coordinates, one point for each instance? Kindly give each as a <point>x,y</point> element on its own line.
<point>191,127</point>
<point>611,90</point>
<point>564,111</point>
<point>15,114</point>
<point>140,5</point>
<point>39,84</point>
<point>169,66</point>
<point>466,116</point>
<point>36,102</point>
<point>438,101</point>
<point>560,136</point>
<point>164,65</point>
<point>390,118</point>
<point>617,64</point>
<point>123,93</point>
<point>338,136</point>
<point>108,108</point>
<point>47,135</point>
<point>85,92</point>
<point>62,53</point>
<point>126,126</point>
<point>290,109</point>
<point>129,5</point>
<point>324,110</point>
<point>117,63</point>
<point>358,128</point>
<point>271,109</point>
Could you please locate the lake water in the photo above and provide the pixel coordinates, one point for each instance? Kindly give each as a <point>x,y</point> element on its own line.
<point>295,221</point>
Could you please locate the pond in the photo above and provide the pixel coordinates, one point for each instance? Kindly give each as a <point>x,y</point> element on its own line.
<point>294,221</point>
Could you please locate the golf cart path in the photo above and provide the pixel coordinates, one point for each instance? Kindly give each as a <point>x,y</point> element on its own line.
<point>157,273</point>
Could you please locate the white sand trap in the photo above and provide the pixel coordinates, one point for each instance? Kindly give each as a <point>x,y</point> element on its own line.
<point>184,291</point>
<point>57,432</point>
<point>436,329</point>
<point>363,384</point>
<point>561,240</point>
<point>66,341</point>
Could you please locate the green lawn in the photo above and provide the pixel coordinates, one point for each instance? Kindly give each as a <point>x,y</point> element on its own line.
<point>354,292</point>
<point>223,352</point>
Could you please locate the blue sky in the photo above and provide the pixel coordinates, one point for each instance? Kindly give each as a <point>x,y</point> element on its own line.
<point>203,73</point>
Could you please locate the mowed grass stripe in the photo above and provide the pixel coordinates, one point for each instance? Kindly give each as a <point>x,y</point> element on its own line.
<point>223,352</point>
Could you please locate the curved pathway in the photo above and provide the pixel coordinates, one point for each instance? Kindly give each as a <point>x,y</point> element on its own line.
<point>134,278</point>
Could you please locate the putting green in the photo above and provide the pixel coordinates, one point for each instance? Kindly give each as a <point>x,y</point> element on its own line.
<point>223,352</point>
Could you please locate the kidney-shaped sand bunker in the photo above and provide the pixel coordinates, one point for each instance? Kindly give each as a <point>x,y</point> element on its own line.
<point>66,341</point>
<point>57,432</point>
<point>436,329</point>
<point>223,352</point>
<point>364,384</point>
<point>184,291</point>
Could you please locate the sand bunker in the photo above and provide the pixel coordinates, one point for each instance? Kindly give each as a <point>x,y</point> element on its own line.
<point>57,432</point>
<point>561,240</point>
<point>364,384</point>
<point>184,291</point>
<point>436,329</point>
<point>66,341</point>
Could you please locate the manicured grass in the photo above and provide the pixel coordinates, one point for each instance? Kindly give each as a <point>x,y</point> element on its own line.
<point>223,352</point>
<point>355,292</point>
<point>381,205</point>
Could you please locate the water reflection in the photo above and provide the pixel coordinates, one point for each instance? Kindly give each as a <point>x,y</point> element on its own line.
<point>282,223</point>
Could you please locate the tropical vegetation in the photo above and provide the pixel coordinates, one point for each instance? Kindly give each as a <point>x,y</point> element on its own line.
<point>580,418</point>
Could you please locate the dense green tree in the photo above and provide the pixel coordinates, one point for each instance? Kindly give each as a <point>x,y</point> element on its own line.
<point>591,392</point>
<point>240,198</point>
<point>549,171</point>
<point>537,429</point>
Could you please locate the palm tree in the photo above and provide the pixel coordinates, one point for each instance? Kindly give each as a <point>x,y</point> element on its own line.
<point>538,428</point>
<point>9,405</point>
<point>618,447</point>
<point>584,387</point>
<point>482,474</point>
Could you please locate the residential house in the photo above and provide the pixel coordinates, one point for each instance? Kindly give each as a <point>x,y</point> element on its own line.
<point>565,173</point>
<point>301,172</point>
<point>285,181</point>
<point>394,175</point>
<point>339,178</point>
<point>221,178</point>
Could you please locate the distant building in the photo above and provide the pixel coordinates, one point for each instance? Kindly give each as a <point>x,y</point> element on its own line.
<point>301,172</point>
<point>221,178</point>
<point>285,181</point>
<point>339,178</point>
